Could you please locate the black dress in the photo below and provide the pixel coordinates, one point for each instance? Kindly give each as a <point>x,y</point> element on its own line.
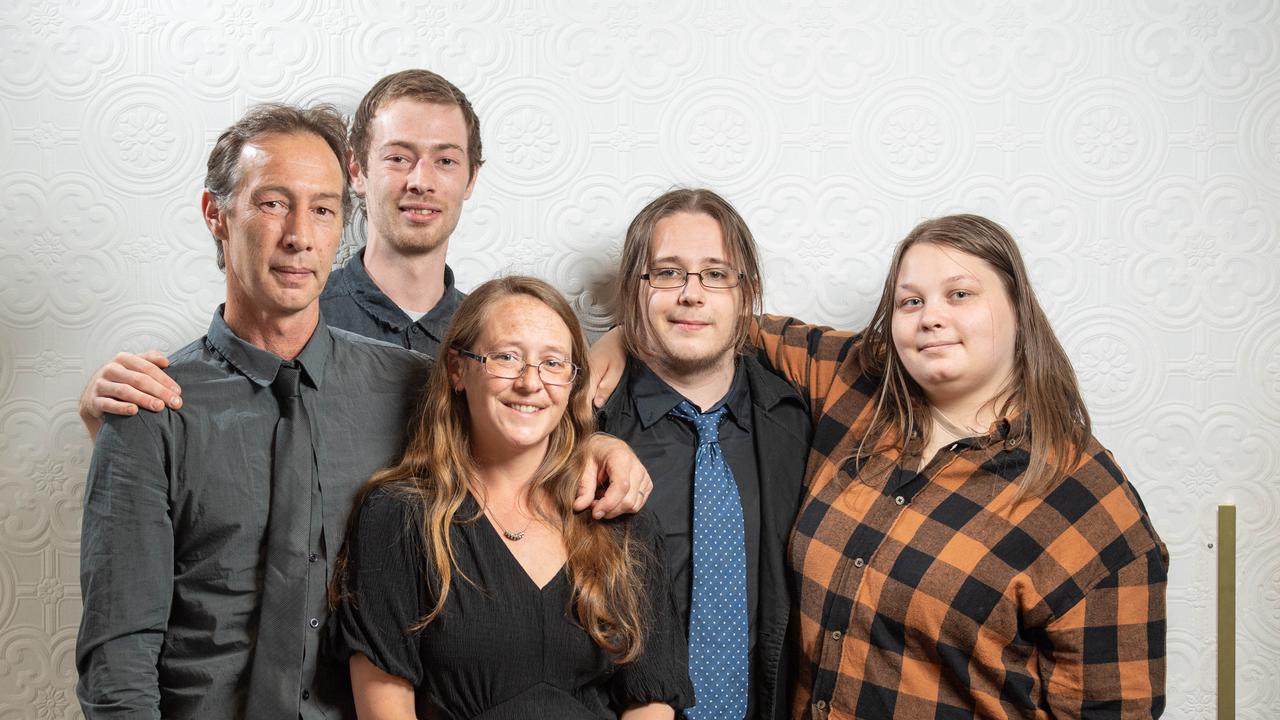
<point>502,648</point>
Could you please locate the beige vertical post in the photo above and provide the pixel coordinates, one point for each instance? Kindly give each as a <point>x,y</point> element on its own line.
<point>1226,612</point>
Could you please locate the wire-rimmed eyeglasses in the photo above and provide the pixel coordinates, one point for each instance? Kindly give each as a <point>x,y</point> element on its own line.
<point>509,366</point>
<point>720,278</point>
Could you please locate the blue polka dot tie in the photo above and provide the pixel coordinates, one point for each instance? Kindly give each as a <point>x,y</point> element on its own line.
<point>718,612</point>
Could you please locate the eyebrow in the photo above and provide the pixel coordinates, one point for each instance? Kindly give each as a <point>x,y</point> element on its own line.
<point>290,193</point>
<point>437,147</point>
<point>554,349</point>
<point>707,261</point>
<point>953,278</point>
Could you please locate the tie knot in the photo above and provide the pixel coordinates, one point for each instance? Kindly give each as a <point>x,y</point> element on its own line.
<point>707,424</point>
<point>286,383</point>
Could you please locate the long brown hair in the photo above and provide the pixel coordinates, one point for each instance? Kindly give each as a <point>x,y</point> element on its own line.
<point>1043,384</point>
<point>604,564</point>
<point>636,249</point>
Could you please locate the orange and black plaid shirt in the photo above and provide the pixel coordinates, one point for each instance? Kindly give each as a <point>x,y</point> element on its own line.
<point>932,594</point>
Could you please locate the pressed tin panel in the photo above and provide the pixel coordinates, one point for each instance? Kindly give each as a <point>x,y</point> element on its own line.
<point>1133,148</point>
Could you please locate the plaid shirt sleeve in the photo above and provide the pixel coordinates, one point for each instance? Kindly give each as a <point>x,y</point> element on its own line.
<point>933,593</point>
<point>808,356</point>
<point>1104,655</point>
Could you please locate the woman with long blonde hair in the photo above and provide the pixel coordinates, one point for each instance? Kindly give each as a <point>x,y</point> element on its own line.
<point>469,586</point>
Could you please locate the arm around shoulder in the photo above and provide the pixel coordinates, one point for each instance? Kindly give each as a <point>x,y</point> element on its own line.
<point>808,356</point>
<point>125,384</point>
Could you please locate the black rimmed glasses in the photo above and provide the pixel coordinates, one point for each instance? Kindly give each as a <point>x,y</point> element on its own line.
<point>509,366</point>
<point>719,278</point>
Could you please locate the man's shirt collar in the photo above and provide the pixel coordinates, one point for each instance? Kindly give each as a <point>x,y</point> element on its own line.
<point>370,296</point>
<point>261,365</point>
<point>654,398</point>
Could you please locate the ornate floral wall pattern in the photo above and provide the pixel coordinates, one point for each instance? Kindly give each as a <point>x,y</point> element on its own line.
<point>1133,148</point>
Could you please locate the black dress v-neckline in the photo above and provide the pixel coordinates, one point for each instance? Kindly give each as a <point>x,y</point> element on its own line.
<point>502,648</point>
<point>515,561</point>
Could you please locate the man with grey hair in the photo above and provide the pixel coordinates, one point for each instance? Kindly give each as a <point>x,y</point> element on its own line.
<point>414,158</point>
<point>208,534</point>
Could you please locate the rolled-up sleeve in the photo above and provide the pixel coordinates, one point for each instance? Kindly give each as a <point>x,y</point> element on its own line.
<point>1105,657</point>
<point>126,572</point>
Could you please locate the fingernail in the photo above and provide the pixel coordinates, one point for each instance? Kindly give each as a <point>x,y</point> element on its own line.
<point>175,402</point>
<point>157,406</point>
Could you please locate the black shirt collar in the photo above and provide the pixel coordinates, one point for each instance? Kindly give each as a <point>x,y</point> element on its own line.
<point>654,398</point>
<point>260,365</point>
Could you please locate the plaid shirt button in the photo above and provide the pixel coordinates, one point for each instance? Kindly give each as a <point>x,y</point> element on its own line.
<point>859,562</point>
<point>836,634</point>
<point>821,704</point>
<point>900,500</point>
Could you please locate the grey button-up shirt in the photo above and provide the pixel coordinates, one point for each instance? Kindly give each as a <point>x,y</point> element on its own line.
<point>353,302</point>
<point>175,520</point>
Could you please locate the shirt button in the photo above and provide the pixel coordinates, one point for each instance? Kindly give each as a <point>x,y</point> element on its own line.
<point>858,562</point>
<point>836,634</point>
<point>306,694</point>
<point>314,622</point>
<point>821,704</point>
<point>313,557</point>
<point>900,500</point>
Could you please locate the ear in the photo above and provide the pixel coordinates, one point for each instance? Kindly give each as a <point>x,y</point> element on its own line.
<point>353,168</point>
<point>455,369</point>
<point>214,217</point>
<point>471,184</point>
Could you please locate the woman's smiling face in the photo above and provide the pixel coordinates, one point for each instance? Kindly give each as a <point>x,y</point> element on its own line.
<point>954,327</point>
<point>512,416</point>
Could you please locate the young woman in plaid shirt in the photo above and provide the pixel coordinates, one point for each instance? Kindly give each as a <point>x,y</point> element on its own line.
<point>966,548</point>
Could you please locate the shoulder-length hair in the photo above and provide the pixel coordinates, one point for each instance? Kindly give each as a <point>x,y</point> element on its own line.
<point>1043,384</point>
<point>437,470</point>
<point>739,244</point>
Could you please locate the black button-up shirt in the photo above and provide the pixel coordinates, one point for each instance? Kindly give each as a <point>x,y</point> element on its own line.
<point>176,513</point>
<point>353,302</point>
<point>668,445</point>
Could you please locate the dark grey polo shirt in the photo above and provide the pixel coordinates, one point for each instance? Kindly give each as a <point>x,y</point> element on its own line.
<point>353,302</point>
<point>175,519</point>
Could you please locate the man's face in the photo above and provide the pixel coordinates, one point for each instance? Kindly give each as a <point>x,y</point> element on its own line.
<point>693,327</point>
<point>417,175</point>
<point>280,230</point>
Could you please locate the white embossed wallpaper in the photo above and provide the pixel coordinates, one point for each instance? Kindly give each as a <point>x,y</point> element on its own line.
<point>1132,147</point>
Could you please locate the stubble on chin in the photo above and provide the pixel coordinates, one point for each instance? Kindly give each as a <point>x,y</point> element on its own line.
<point>687,365</point>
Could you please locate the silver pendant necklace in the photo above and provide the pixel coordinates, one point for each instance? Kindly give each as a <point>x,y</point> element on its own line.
<point>512,536</point>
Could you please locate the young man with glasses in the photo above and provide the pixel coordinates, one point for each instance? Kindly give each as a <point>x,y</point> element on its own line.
<point>723,439</point>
